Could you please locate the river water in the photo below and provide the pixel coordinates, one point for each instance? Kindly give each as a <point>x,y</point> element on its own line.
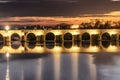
<point>63,61</point>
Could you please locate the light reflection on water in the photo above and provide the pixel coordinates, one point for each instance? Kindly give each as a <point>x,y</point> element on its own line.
<point>74,47</point>
<point>66,62</point>
<point>72,66</point>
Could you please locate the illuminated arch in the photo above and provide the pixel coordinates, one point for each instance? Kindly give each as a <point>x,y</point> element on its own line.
<point>85,36</point>
<point>50,37</point>
<point>68,44</point>
<point>50,45</point>
<point>31,37</point>
<point>85,44</point>
<point>105,36</point>
<point>68,36</point>
<point>119,37</point>
<point>1,38</point>
<point>105,44</point>
<point>31,45</point>
<point>15,37</point>
<point>15,45</point>
<point>1,45</point>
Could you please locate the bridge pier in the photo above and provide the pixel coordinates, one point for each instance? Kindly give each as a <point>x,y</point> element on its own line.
<point>76,37</point>
<point>23,38</point>
<point>58,38</point>
<point>37,38</point>
<point>95,37</point>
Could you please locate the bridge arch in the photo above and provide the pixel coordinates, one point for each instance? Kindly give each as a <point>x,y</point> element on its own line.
<point>85,36</point>
<point>95,37</point>
<point>1,38</point>
<point>68,45</point>
<point>1,45</point>
<point>50,45</point>
<point>15,37</point>
<point>85,44</point>
<point>15,45</point>
<point>105,36</point>
<point>105,44</point>
<point>31,45</point>
<point>50,36</point>
<point>31,37</point>
<point>68,36</point>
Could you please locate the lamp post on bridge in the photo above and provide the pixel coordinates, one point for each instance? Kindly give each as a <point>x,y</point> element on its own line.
<point>6,29</point>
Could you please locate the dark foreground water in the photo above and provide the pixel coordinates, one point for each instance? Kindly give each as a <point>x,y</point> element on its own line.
<point>56,64</point>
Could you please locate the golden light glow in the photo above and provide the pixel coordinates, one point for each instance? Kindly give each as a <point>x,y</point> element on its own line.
<point>7,27</point>
<point>112,48</point>
<point>74,27</point>
<point>75,66</point>
<point>112,32</point>
<point>38,33</point>
<point>57,32</point>
<point>37,49</point>
<point>92,49</point>
<point>114,13</point>
<point>57,49</point>
<point>7,55</point>
<point>74,49</point>
<point>7,77</point>
<point>75,33</point>
<point>22,48</point>
<point>57,64</point>
<point>94,32</point>
<point>22,34</point>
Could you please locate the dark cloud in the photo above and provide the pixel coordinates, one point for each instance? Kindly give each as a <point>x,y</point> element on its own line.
<point>57,7</point>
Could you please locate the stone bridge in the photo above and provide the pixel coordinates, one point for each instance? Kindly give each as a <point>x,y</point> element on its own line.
<point>60,35</point>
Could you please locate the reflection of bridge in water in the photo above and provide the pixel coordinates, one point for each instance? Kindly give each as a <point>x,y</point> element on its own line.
<point>60,35</point>
<point>59,67</point>
<point>75,47</point>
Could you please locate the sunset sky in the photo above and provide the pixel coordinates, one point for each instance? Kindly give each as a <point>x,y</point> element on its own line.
<point>57,11</point>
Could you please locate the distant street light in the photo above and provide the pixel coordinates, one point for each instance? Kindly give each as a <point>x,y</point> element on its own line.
<point>7,27</point>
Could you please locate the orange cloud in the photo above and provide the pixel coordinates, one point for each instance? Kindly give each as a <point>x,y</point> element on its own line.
<point>114,13</point>
<point>54,20</point>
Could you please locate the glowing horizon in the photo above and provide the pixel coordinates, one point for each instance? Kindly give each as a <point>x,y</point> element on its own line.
<point>114,13</point>
<point>112,16</point>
